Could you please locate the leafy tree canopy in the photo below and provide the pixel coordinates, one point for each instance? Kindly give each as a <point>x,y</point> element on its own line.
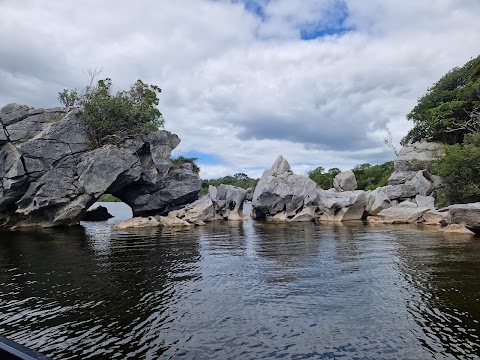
<point>443,114</point>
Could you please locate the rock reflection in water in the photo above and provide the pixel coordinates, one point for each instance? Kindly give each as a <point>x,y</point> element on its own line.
<point>242,290</point>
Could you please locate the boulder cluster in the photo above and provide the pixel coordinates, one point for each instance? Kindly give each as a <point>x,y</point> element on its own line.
<point>410,196</point>
<point>223,202</point>
<point>50,176</point>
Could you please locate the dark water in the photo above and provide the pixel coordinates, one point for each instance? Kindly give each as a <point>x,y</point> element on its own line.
<point>242,291</point>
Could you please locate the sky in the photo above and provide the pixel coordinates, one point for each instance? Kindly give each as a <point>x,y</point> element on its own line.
<point>321,82</point>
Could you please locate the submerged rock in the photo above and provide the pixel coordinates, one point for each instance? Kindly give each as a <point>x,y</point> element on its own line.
<point>50,177</point>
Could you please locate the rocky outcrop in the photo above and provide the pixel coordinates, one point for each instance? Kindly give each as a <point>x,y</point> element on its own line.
<point>465,214</point>
<point>223,202</point>
<point>412,158</point>
<point>282,195</point>
<point>403,213</point>
<point>50,176</point>
<point>280,191</point>
<point>345,181</point>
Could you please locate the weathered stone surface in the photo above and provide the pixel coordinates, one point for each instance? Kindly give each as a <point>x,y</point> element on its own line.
<point>307,214</point>
<point>137,222</point>
<point>421,184</point>
<point>425,201</point>
<point>202,210</point>
<point>341,206</point>
<point>399,192</point>
<point>100,213</point>
<point>433,217</point>
<point>413,158</point>
<point>403,213</point>
<point>345,181</point>
<point>465,214</point>
<point>377,201</point>
<point>457,229</point>
<point>50,177</point>
<point>228,201</point>
<point>279,189</point>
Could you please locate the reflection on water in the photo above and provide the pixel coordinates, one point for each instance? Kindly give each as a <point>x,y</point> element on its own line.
<point>241,290</point>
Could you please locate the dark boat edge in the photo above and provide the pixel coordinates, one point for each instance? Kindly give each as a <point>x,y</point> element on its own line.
<point>10,350</point>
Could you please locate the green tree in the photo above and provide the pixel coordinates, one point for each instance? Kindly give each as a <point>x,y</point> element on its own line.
<point>444,112</point>
<point>369,177</point>
<point>324,180</point>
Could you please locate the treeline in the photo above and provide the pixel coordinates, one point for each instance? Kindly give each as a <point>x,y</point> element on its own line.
<point>449,113</point>
<point>239,179</point>
<point>368,176</point>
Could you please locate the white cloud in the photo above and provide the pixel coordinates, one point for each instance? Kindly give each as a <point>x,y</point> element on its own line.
<point>243,88</point>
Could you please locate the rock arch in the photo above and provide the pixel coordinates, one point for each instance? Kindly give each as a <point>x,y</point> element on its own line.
<point>50,177</point>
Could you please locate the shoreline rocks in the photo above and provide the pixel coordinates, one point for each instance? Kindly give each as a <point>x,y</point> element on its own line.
<point>50,176</point>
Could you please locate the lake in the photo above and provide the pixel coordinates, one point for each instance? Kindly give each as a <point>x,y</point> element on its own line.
<point>250,290</point>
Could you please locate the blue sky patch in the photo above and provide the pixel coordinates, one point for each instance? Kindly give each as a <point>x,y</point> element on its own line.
<point>202,157</point>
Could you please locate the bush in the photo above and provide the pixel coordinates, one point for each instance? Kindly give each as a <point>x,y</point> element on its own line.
<point>124,114</point>
<point>460,171</point>
<point>324,180</point>
<point>176,162</point>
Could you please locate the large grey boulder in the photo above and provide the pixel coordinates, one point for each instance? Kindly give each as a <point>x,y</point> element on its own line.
<point>281,195</point>
<point>50,177</point>
<point>281,191</point>
<point>377,200</point>
<point>345,181</point>
<point>403,213</point>
<point>341,206</point>
<point>465,214</point>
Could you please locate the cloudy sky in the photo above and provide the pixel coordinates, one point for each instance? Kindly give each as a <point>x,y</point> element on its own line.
<point>243,81</point>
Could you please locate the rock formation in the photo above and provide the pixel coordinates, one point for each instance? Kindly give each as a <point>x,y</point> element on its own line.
<point>281,195</point>
<point>223,202</point>
<point>345,181</point>
<point>50,177</point>
<point>412,158</point>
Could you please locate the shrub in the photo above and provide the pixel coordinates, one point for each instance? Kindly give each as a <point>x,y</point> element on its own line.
<point>176,162</point>
<point>125,113</point>
<point>460,171</point>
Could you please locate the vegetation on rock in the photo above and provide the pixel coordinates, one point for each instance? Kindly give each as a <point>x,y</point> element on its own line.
<point>449,113</point>
<point>368,176</point>
<point>446,112</point>
<point>109,117</point>
<point>176,162</point>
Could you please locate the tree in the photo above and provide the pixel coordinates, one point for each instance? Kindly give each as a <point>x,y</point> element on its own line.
<point>443,113</point>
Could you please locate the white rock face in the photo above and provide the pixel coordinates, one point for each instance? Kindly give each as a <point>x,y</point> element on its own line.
<point>345,181</point>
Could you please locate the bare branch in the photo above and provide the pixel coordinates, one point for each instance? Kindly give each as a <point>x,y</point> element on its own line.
<point>388,140</point>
